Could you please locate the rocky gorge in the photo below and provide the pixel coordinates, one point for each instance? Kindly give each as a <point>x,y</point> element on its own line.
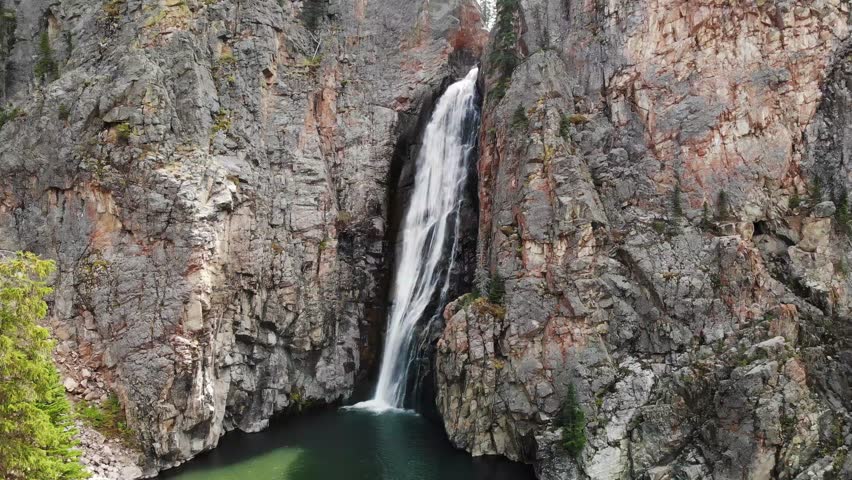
<point>662,197</point>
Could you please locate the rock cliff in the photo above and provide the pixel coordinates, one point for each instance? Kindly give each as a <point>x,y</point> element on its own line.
<point>213,178</point>
<point>663,196</point>
<point>663,189</point>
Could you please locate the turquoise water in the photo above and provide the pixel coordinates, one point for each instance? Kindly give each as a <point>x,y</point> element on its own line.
<point>345,445</point>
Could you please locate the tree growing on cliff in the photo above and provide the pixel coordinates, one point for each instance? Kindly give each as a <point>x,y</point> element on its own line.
<point>842,216</point>
<point>46,68</point>
<point>520,122</point>
<point>503,57</point>
<point>505,38</point>
<point>480,282</point>
<point>36,430</point>
<point>723,206</point>
<point>573,423</point>
<point>677,202</point>
<point>487,9</point>
<point>816,191</point>
<point>706,222</point>
<point>496,289</point>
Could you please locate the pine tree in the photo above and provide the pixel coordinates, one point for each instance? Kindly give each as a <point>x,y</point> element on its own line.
<point>36,432</point>
<point>816,191</point>
<point>573,422</point>
<point>841,214</point>
<point>723,208</point>
<point>705,215</point>
<point>487,9</point>
<point>795,201</point>
<point>519,119</point>
<point>496,289</point>
<point>505,38</point>
<point>677,204</point>
<point>46,68</point>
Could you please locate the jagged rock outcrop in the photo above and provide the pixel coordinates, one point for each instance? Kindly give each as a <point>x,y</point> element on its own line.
<point>212,178</point>
<point>647,191</point>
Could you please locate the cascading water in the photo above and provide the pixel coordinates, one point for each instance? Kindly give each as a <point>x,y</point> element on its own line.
<point>429,235</point>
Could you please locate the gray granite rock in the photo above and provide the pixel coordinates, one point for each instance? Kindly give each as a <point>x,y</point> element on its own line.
<point>213,179</point>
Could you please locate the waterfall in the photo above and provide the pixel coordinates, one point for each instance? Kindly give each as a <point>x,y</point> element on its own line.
<point>429,235</point>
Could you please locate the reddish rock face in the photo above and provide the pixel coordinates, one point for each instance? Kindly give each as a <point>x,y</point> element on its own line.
<point>469,36</point>
<point>724,93</point>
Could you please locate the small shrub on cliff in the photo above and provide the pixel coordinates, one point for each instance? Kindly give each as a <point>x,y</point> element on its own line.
<point>9,114</point>
<point>573,423</point>
<point>788,426</point>
<point>112,8</point>
<point>466,300</point>
<point>8,24</point>
<point>794,202</point>
<point>108,418</point>
<point>299,401</point>
<point>343,218</point>
<point>816,191</point>
<point>578,119</point>
<point>842,267</point>
<point>221,122</point>
<point>498,91</point>
<point>36,429</point>
<point>482,306</point>
<point>841,213</point>
<point>312,63</point>
<point>565,127</point>
<point>123,131</point>
<point>723,207</point>
<point>677,203</point>
<point>520,122</point>
<point>64,112</point>
<point>706,221</point>
<point>837,465</point>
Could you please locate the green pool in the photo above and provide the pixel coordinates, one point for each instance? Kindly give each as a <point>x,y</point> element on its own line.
<point>345,444</point>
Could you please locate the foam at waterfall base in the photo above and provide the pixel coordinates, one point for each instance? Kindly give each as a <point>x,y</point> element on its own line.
<point>378,407</point>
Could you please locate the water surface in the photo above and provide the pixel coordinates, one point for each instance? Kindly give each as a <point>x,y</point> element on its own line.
<point>346,445</point>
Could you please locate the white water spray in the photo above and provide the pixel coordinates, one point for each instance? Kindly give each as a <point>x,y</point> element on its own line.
<point>428,235</point>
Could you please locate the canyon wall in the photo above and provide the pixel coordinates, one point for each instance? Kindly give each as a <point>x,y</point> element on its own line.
<point>663,189</point>
<point>213,178</point>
